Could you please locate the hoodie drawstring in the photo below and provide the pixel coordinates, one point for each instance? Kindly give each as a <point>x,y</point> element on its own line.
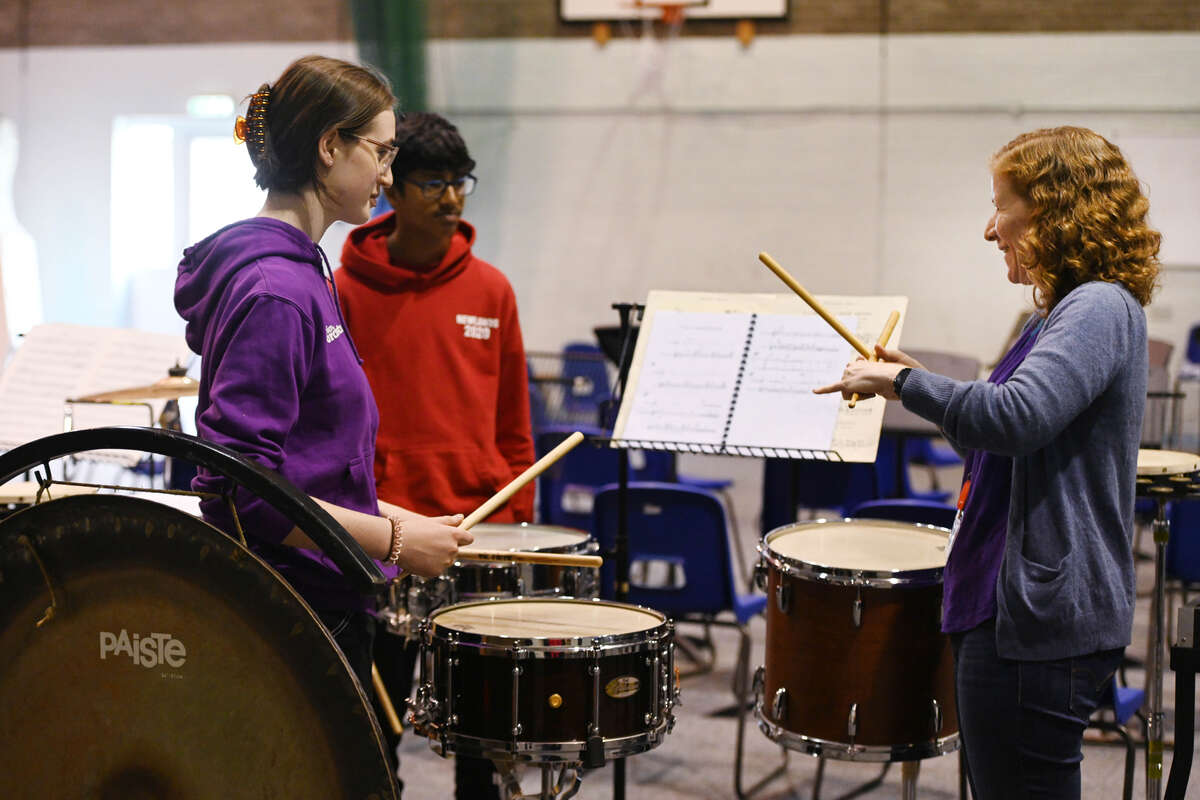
<point>327,271</point>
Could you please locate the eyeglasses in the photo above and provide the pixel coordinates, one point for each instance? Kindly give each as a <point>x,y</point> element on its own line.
<point>386,152</point>
<point>432,190</point>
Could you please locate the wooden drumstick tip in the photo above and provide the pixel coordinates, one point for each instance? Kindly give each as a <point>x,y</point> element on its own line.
<point>517,483</point>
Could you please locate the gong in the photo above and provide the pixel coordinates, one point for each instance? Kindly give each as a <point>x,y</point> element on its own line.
<point>145,654</point>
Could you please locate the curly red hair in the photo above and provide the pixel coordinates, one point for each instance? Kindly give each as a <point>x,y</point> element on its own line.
<point>1088,219</point>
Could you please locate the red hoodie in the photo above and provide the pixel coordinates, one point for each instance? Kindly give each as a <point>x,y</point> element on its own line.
<point>442,350</point>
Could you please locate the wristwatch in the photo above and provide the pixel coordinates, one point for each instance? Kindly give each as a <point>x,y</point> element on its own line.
<point>898,381</point>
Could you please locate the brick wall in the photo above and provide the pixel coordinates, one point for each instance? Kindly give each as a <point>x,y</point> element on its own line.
<point>69,22</point>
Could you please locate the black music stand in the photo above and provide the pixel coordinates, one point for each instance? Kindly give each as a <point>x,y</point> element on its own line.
<point>627,336</point>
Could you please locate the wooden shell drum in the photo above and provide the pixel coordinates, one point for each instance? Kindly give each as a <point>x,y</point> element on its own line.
<point>857,667</point>
<point>546,680</point>
<point>418,597</point>
<point>1167,474</point>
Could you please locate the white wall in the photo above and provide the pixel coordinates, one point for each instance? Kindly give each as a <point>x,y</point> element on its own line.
<point>859,162</point>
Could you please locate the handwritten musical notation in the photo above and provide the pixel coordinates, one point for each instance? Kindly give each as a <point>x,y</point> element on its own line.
<point>689,370</point>
<point>734,373</point>
<point>788,357</point>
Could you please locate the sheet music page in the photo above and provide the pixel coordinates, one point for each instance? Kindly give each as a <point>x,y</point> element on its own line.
<point>690,367</point>
<point>789,356</point>
<point>55,362</point>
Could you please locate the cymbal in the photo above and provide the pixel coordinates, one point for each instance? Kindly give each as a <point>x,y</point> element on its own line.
<point>169,388</point>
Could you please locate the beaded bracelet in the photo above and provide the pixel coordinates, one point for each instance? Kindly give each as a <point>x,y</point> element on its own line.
<point>397,540</point>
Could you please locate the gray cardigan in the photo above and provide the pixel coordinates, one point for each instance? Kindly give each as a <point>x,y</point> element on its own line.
<point>1071,419</point>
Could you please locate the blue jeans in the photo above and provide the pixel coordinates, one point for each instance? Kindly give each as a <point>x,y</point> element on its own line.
<point>1022,722</point>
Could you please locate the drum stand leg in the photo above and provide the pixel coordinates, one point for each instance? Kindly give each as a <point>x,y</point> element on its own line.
<point>744,794</point>
<point>551,789</point>
<point>909,770</point>
<point>1154,665</point>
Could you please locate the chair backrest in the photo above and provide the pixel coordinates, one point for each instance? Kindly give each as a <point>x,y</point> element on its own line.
<point>679,526</point>
<point>585,374</point>
<point>927,512</point>
<point>792,484</point>
<point>1155,424</point>
<point>1193,345</point>
<point>1183,548</point>
<point>566,489</point>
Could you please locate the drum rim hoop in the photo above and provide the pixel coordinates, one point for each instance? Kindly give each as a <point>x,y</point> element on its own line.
<point>843,751</point>
<point>846,576</point>
<point>585,646</point>
<point>529,751</point>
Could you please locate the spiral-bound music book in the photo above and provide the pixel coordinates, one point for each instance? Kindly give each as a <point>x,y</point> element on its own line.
<point>733,374</point>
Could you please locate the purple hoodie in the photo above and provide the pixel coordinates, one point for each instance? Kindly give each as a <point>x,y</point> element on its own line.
<point>282,384</point>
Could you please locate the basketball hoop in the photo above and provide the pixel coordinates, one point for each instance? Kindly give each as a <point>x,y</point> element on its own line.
<point>671,12</point>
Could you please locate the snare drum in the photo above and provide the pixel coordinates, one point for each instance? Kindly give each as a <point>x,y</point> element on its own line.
<point>416,597</point>
<point>546,680</point>
<point>857,667</point>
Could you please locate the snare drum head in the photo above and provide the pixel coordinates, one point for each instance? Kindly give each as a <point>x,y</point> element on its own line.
<point>547,618</point>
<point>875,546</point>
<point>529,538</point>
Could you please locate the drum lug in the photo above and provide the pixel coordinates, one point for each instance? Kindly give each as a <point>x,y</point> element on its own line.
<point>783,598</point>
<point>936,717</point>
<point>852,722</point>
<point>779,705</point>
<point>760,574</point>
<point>858,609</point>
<point>517,654</point>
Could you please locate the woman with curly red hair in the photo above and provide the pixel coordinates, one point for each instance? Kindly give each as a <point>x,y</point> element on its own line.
<point>1039,579</point>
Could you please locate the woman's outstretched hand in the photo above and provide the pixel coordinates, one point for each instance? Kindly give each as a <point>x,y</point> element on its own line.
<point>870,378</point>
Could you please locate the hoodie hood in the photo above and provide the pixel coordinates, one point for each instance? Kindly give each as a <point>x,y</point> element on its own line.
<point>209,265</point>
<point>366,255</point>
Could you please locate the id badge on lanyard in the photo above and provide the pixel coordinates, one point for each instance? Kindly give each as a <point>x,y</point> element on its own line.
<point>958,516</point>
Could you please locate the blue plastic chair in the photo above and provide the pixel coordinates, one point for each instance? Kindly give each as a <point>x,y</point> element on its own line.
<point>585,375</point>
<point>927,512</point>
<point>566,490</point>
<point>792,485</point>
<point>686,529</point>
<point>1124,702</point>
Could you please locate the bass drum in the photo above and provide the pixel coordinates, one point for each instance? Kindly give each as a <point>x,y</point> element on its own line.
<point>143,654</point>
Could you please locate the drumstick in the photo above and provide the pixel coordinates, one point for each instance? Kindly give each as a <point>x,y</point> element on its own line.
<point>773,265</point>
<point>884,335</point>
<point>527,557</point>
<point>385,700</point>
<point>500,497</point>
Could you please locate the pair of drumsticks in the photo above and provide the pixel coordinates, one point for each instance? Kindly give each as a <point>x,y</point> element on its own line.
<point>884,335</point>
<point>544,463</point>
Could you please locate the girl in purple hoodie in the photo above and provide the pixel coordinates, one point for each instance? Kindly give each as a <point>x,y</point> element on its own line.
<point>281,381</point>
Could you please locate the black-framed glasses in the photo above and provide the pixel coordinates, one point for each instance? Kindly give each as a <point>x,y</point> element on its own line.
<point>433,189</point>
<point>386,152</point>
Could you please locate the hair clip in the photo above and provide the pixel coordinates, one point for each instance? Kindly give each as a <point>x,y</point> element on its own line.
<point>252,128</point>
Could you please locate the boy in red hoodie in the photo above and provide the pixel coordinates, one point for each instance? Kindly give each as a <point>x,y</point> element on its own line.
<point>441,345</point>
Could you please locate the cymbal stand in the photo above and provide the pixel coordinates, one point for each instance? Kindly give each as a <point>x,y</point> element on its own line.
<point>567,785</point>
